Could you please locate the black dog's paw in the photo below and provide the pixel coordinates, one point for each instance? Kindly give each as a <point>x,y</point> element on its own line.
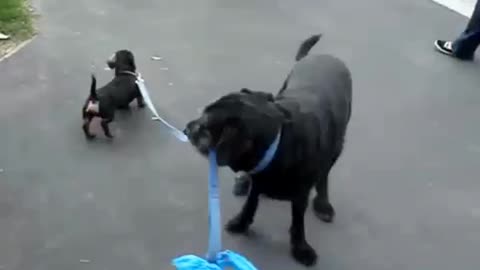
<point>304,254</point>
<point>241,188</point>
<point>323,210</point>
<point>141,106</point>
<point>236,226</point>
<point>242,185</point>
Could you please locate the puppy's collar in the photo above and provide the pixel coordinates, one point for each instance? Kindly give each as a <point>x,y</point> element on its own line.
<point>268,156</point>
<point>128,72</point>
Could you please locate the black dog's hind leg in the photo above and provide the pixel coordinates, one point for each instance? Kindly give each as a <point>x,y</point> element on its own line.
<point>321,203</point>
<point>300,249</point>
<point>86,127</point>
<point>106,128</point>
<point>241,222</point>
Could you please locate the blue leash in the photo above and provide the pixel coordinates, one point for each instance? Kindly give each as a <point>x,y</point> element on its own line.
<point>146,97</point>
<point>216,258</point>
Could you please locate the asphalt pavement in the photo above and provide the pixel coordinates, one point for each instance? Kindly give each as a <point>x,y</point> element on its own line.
<point>406,189</point>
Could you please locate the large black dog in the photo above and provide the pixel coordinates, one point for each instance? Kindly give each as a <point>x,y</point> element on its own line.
<point>287,143</point>
<point>117,94</point>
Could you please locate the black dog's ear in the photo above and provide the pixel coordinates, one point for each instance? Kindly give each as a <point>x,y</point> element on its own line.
<point>225,145</point>
<point>231,144</point>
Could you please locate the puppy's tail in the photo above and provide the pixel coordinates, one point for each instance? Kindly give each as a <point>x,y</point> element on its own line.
<point>306,46</point>
<point>93,88</point>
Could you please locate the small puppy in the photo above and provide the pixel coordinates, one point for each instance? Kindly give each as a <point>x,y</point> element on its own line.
<point>287,144</point>
<point>117,94</point>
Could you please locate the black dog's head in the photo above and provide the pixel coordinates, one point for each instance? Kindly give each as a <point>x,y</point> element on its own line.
<point>238,126</point>
<point>122,60</point>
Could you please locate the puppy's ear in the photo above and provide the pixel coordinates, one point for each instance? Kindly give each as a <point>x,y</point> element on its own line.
<point>270,97</point>
<point>131,60</point>
<point>246,91</point>
<point>263,95</point>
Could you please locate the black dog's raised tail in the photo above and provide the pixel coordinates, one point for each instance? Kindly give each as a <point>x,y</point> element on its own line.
<point>93,88</point>
<point>306,46</point>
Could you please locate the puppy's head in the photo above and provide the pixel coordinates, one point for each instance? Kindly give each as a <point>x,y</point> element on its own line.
<point>236,126</point>
<point>122,60</point>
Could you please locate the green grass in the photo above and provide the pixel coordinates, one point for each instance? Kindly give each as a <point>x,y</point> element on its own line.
<point>15,19</point>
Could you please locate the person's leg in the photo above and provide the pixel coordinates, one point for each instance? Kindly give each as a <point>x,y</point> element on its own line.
<point>465,45</point>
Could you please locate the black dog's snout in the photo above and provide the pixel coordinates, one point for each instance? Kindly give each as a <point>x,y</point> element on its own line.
<point>191,128</point>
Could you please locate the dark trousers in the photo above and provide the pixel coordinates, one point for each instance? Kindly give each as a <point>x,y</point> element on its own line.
<point>465,45</point>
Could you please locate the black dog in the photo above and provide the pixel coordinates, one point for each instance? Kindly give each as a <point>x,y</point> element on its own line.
<point>291,141</point>
<point>117,94</point>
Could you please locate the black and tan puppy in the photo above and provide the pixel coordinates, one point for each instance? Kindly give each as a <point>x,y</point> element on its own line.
<point>287,143</point>
<point>117,94</point>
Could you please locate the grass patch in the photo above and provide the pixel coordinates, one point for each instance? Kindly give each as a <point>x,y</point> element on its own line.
<point>15,19</point>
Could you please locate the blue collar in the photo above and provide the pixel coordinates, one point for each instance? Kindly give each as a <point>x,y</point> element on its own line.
<point>268,156</point>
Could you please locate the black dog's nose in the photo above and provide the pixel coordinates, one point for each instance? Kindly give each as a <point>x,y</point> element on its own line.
<point>188,129</point>
<point>192,129</point>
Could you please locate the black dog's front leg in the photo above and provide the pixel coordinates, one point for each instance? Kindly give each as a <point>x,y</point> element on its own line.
<point>242,184</point>
<point>106,128</point>
<point>241,222</point>
<point>300,249</point>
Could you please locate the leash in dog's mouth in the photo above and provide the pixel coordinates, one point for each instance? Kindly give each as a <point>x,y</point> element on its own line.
<point>156,117</point>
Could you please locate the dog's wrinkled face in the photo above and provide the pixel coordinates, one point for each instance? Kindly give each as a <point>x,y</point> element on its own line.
<point>122,60</point>
<point>232,124</point>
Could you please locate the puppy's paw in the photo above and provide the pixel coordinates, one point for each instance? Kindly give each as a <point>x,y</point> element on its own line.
<point>90,137</point>
<point>108,134</point>
<point>323,210</point>
<point>304,254</point>
<point>236,226</point>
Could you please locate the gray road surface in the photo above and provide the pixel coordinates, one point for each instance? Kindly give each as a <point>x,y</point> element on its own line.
<point>406,189</point>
